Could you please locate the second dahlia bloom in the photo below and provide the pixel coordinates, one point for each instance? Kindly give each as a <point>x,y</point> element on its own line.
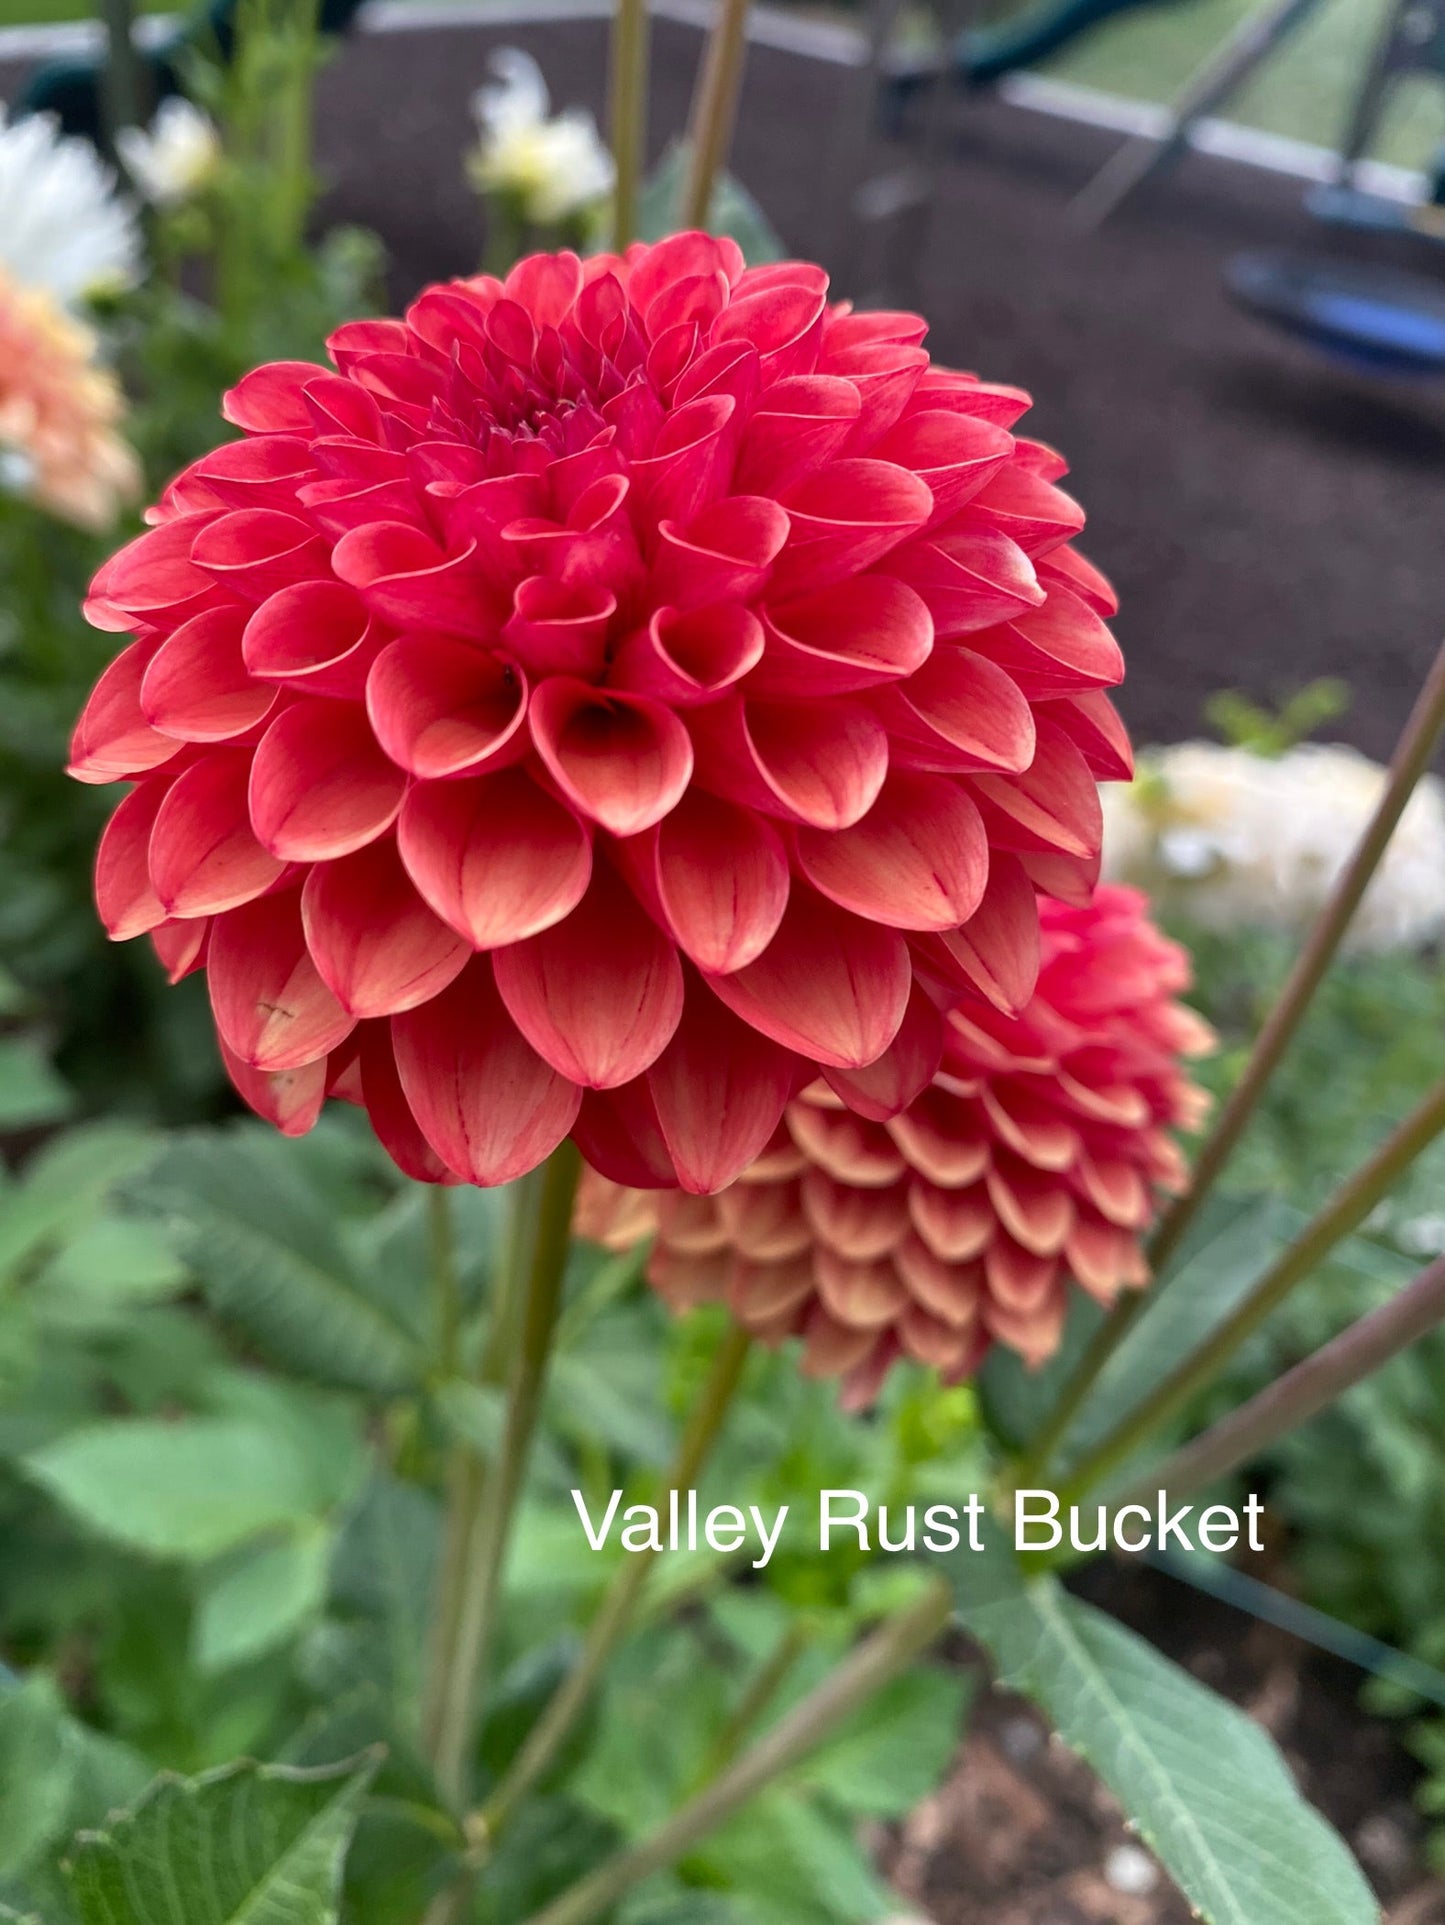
<point>59,412</point>
<point>609,699</point>
<point>1035,1157</point>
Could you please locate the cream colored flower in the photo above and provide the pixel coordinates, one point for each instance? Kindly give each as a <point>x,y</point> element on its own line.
<point>1233,839</point>
<point>63,227</point>
<point>59,410</point>
<point>175,157</point>
<point>552,168</point>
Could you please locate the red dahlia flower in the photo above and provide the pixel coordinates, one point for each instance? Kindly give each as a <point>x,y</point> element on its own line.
<point>612,697</point>
<point>1034,1157</point>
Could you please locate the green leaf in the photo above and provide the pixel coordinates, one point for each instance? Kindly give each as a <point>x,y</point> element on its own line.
<point>65,1181</point>
<point>1206,1788</point>
<point>794,1864</point>
<point>383,1571</point>
<point>189,1489</point>
<point>30,1090</point>
<point>476,1414</point>
<point>267,1250</point>
<point>609,1397</point>
<point>733,211</point>
<point>37,1770</point>
<point>247,1845</point>
<point>261,1599</point>
<point>895,1750</point>
<point>116,1261</point>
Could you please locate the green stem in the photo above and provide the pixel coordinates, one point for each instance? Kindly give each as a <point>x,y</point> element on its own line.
<point>610,1625</point>
<point>880,1658</point>
<point>714,109</point>
<point>628,113</point>
<point>501,1487</point>
<point>1344,1212</point>
<point>1411,758</point>
<point>121,76</point>
<point>1304,1391</point>
<point>765,1686</point>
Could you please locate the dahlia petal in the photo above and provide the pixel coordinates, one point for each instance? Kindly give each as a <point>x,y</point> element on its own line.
<point>830,986</point>
<point>955,1225</point>
<point>1116,1189</point>
<point>203,855</point>
<point>765,1221</point>
<point>124,893</point>
<point>812,763</point>
<point>254,551</point>
<point>397,1130</point>
<point>618,1133</point>
<point>599,995</point>
<point>845,1145</point>
<point>885,373</point>
<point>723,554</point>
<point>959,713</point>
<point>289,1099</point>
<point>272,399</point>
<point>932,1343</point>
<point>971,578</point>
<point>483,1098</point>
<point>320,785</point>
<point>864,1296</point>
<point>763,1292</point>
<point>941,1140</point>
<point>783,321</point>
<point>856,635</point>
<point>902,1072</point>
<point>720,1090</point>
<point>1018,1279</point>
<point>858,1225</point>
<point>831,1348</point>
<point>180,946</point>
<point>691,462</point>
<point>197,688</point>
<point>998,947</point>
<point>315,637</point>
<point>378,947</point>
<point>546,286</point>
<point>1028,509</point>
<point>844,518</point>
<point>994,401</point>
<point>1099,1255</point>
<point>260,473</point>
<point>441,707</point>
<point>1072,879</point>
<point>270,1004</point>
<point>686,658</point>
<point>954,454</point>
<point>797,427</point>
<point>1057,649</point>
<point>950,1291</point>
<point>720,875</point>
<point>559,628</point>
<point>1036,1332</point>
<point>151,577</point>
<point>1028,1121</point>
<point>849,327</point>
<point>409,581</point>
<point>1035,1209</point>
<point>1052,806</point>
<point>623,760</point>
<point>1067,567</point>
<point>917,860</point>
<point>496,857</point>
<point>113,741</point>
<point>693,1224</point>
<point>1094,726</point>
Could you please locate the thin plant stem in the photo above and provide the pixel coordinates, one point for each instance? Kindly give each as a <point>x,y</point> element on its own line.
<point>627,112</point>
<point>619,1604</point>
<point>768,1680</point>
<point>1304,1391</point>
<point>1344,1212</point>
<point>1411,758</point>
<point>714,109</point>
<point>465,1468</point>
<point>501,1487</point>
<point>121,79</point>
<point>882,1656</point>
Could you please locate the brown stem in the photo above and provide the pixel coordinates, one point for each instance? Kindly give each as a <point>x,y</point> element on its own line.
<point>628,112</point>
<point>714,109</point>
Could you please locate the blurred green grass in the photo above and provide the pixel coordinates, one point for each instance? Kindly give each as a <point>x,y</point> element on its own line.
<point>1305,90</point>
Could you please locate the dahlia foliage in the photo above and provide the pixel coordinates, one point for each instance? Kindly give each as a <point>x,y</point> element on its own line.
<point>1036,1155</point>
<point>612,699</point>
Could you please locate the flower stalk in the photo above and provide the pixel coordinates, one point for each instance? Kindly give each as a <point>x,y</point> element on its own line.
<point>1411,759</point>
<point>619,1605</point>
<point>1304,1391</point>
<point>714,110</point>
<point>1344,1213</point>
<point>882,1656</point>
<point>627,112</point>
<point>498,1491</point>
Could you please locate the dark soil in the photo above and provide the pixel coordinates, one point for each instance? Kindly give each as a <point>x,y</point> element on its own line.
<point>1022,1833</point>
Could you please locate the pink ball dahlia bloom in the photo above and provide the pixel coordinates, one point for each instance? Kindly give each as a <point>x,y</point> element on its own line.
<point>609,700</point>
<point>1036,1156</point>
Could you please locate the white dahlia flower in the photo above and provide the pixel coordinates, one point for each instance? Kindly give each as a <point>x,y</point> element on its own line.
<point>552,167</point>
<point>63,227</point>
<point>173,159</point>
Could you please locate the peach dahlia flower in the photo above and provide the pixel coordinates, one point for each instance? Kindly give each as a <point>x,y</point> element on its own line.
<point>605,702</point>
<point>59,409</point>
<point>1036,1156</point>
